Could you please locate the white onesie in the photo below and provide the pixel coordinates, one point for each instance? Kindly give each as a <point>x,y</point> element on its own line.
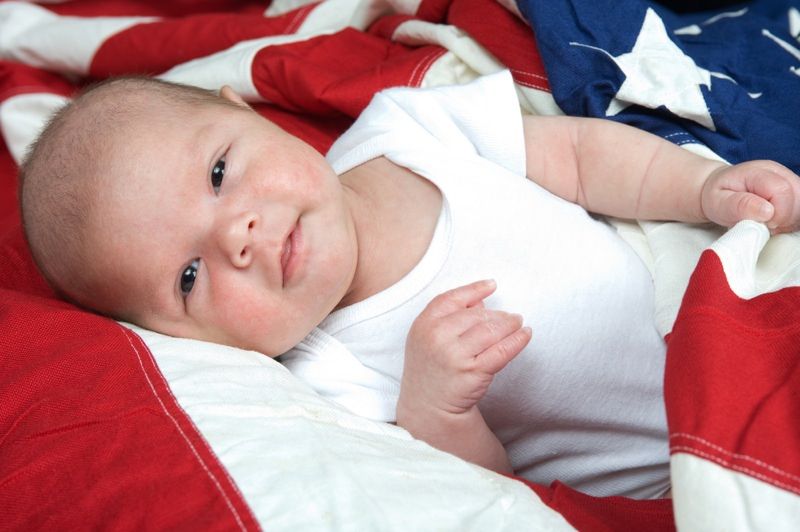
<point>583,403</point>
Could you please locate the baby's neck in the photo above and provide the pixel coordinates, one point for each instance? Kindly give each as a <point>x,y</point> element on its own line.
<point>394,213</point>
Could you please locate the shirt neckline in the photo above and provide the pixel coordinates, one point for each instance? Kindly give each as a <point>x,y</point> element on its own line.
<point>404,289</point>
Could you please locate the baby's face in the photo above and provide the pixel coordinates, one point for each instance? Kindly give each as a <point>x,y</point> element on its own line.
<point>220,226</point>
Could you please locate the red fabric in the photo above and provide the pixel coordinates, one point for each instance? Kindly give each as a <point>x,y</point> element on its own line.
<point>155,8</point>
<point>161,45</point>
<point>508,38</point>
<point>339,73</point>
<point>8,184</point>
<point>605,514</point>
<point>731,405</point>
<point>385,27</point>
<point>16,78</point>
<point>17,270</point>
<point>433,10</point>
<point>91,433</point>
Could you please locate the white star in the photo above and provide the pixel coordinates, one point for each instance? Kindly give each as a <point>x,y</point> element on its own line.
<point>658,73</point>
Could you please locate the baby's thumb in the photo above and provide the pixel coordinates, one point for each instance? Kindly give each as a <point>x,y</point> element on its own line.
<point>747,206</point>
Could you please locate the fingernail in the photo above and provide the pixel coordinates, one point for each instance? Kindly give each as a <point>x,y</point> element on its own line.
<point>491,283</point>
<point>766,210</point>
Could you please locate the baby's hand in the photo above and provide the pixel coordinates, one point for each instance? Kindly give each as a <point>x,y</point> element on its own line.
<point>764,191</point>
<point>454,349</point>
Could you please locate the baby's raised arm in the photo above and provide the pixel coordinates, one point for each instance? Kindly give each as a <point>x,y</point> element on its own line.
<point>453,351</point>
<point>618,170</point>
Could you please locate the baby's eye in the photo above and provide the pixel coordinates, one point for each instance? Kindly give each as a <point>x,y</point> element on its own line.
<point>188,276</point>
<point>217,173</point>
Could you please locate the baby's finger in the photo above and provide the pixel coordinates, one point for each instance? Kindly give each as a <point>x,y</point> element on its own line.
<point>785,198</point>
<point>464,319</point>
<point>484,328</point>
<point>735,206</point>
<point>460,298</point>
<point>500,354</point>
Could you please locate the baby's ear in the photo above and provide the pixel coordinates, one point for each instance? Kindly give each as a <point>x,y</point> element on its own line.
<point>231,95</point>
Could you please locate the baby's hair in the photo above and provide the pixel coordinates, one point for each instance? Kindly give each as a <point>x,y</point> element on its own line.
<point>63,167</point>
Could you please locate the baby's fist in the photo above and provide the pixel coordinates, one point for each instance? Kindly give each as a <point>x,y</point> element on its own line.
<point>764,191</point>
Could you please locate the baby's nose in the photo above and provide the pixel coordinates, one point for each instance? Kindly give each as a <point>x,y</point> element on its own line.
<point>236,238</point>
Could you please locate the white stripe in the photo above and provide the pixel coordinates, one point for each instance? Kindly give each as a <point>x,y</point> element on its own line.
<point>229,67</point>
<point>417,32</point>
<point>339,14</point>
<point>707,496</point>
<point>754,263</point>
<point>38,37</point>
<point>302,463</point>
<point>281,7</point>
<point>234,66</point>
<point>22,118</point>
<point>406,7</point>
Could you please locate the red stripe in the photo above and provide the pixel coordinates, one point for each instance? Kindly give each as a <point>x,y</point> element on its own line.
<point>386,26</point>
<point>90,431</point>
<point>507,37</point>
<point>605,514</point>
<point>16,78</point>
<point>733,378</point>
<point>336,74</point>
<point>158,46</point>
<point>157,8</point>
<point>433,10</point>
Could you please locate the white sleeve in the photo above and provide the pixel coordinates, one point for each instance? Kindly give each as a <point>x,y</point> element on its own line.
<point>481,117</point>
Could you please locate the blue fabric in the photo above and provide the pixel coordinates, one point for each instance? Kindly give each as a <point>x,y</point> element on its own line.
<point>755,110</point>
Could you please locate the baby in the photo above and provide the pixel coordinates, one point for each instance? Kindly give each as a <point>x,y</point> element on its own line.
<point>390,274</point>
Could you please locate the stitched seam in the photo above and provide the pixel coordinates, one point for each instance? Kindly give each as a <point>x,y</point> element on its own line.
<point>678,134</point>
<point>414,73</point>
<point>530,85</point>
<point>414,80</point>
<point>298,18</point>
<point>741,469</point>
<point>429,63</point>
<point>180,431</point>
<point>422,67</point>
<point>529,74</point>
<point>719,449</point>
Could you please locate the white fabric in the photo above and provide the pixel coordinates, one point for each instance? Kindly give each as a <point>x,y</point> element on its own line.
<point>38,37</point>
<point>583,403</point>
<point>715,497</point>
<point>303,463</point>
<point>22,118</point>
<point>756,263</point>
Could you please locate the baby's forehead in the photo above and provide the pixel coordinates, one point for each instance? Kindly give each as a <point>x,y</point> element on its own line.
<point>141,104</point>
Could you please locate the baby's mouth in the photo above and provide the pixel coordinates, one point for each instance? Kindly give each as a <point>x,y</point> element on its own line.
<point>289,253</point>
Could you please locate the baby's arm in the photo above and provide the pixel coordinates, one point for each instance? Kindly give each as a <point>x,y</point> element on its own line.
<point>453,350</point>
<point>610,168</point>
